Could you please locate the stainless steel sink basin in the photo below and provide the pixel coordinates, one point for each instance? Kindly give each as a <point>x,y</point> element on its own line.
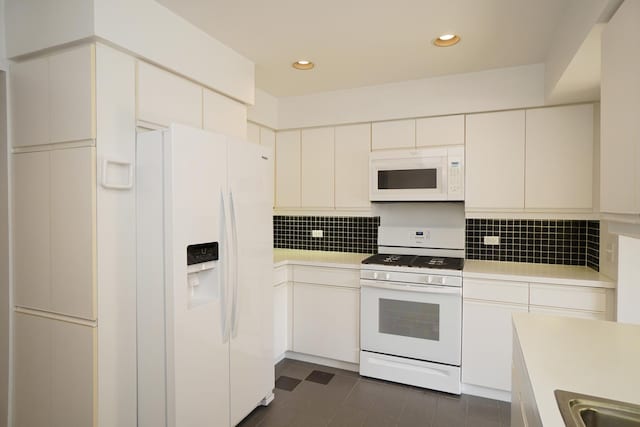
<point>581,410</point>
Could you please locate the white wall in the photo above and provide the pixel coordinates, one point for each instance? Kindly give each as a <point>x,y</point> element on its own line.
<point>574,26</point>
<point>143,28</point>
<point>153,32</point>
<point>39,24</point>
<point>504,88</point>
<point>265,110</point>
<point>3,53</point>
<point>628,292</point>
<point>4,256</point>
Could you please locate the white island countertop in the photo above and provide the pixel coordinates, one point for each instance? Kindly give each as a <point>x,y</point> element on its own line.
<point>318,258</point>
<point>591,357</point>
<point>520,271</point>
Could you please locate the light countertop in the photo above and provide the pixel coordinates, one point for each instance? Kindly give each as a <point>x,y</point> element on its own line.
<point>520,271</point>
<point>584,356</point>
<point>318,258</point>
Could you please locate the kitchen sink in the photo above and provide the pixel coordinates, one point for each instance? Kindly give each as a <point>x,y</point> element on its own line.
<point>581,410</point>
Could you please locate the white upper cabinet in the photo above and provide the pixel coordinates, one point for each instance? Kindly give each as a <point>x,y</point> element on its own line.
<point>394,134</point>
<point>164,98</point>
<point>31,230</point>
<point>73,228</point>
<point>54,232</point>
<point>253,133</point>
<point>445,130</point>
<point>53,98</point>
<point>620,104</point>
<point>288,169</point>
<point>30,102</point>
<point>495,153</point>
<point>353,145</point>
<point>224,115</point>
<point>268,137</point>
<point>559,158</point>
<point>72,95</point>
<point>317,154</point>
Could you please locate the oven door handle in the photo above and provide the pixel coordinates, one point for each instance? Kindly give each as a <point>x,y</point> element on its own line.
<point>446,290</point>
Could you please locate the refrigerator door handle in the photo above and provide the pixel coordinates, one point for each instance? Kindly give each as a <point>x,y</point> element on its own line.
<point>223,270</point>
<point>234,237</point>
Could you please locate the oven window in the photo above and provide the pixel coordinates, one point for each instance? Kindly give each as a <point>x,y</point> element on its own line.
<point>409,319</point>
<point>408,179</point>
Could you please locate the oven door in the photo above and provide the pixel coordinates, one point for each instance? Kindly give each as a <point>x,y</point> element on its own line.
<point>420,322</point>
<point>408,179</point>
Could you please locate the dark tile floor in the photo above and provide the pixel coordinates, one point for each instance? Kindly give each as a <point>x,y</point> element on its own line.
<point>350,400</point>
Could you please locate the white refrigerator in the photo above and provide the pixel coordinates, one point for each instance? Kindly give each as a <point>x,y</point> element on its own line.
<point>205,266</point>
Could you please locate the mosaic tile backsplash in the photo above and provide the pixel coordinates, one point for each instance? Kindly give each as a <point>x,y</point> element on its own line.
<point>340,234</point>
<point>569,242</point>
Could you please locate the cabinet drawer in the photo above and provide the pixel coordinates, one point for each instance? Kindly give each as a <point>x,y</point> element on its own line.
<point>572,297</point>
<point>327,276</point>
<point>596,315</point>
<point>496,290</point>
<point>280,275</point>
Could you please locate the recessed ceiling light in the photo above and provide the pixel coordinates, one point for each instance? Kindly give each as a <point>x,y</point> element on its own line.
<point>446,40</point>
<point>303,64</point>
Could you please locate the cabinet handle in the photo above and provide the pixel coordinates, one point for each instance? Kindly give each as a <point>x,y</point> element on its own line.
<point>105,179</point>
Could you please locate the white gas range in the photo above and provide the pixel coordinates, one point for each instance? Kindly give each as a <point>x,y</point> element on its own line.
<point>411,307</point>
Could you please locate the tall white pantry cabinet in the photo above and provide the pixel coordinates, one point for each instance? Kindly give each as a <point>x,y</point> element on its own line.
<point>74,127</point>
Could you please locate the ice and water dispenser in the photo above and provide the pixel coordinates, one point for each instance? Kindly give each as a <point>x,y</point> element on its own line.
<point>203,273</point>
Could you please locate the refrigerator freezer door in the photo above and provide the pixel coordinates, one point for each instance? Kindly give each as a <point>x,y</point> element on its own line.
<point>251,188</point>
<point>181,174</point>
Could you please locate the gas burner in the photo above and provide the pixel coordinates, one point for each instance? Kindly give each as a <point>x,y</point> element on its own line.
<point>390,259</point>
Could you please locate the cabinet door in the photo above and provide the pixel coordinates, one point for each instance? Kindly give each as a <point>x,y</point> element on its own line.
<point>317,154</point>
<point>559,158</point>
<point>253,133</point>
<point>73,254</point>
<point>72,95</point>
<point>335,336</point>
<point>224,115</point>
<point>30,102</point>
<point>395,134</point>
<point>31,230</point>
<point>54,372</point>
<point>32,370</point>
<point>281,319</point>
<point>268,137</point>
<point>434,131</point>
<point>353,145</point>
<point>486,343</point>
<point>620,103</point>
<point>494,176</point>
<point>73,377</point>
<point>288,169</point>
<point>165,98</point>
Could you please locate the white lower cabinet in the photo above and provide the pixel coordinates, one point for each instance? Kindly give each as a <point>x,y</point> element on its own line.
<point>487,343</point>
<point>282,303</point>
<point>55,372</point>
<point>326,321</point>
<point>487,331</point>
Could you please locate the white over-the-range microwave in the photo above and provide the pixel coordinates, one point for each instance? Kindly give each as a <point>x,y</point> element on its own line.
<point>417,174</point>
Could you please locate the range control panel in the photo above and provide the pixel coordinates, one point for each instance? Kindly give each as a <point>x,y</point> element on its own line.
<point>420,236</point>
<point>202,252</point>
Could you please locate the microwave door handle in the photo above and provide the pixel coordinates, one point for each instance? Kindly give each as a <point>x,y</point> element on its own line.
<point>444,290</point>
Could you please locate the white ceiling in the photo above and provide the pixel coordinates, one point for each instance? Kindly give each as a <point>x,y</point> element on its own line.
<point>366,42</point>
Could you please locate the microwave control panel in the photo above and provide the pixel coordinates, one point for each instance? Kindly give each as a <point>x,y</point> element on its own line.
<point>455,177</point>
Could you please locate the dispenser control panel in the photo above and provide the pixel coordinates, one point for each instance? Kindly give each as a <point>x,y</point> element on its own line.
<point>202,252</point>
